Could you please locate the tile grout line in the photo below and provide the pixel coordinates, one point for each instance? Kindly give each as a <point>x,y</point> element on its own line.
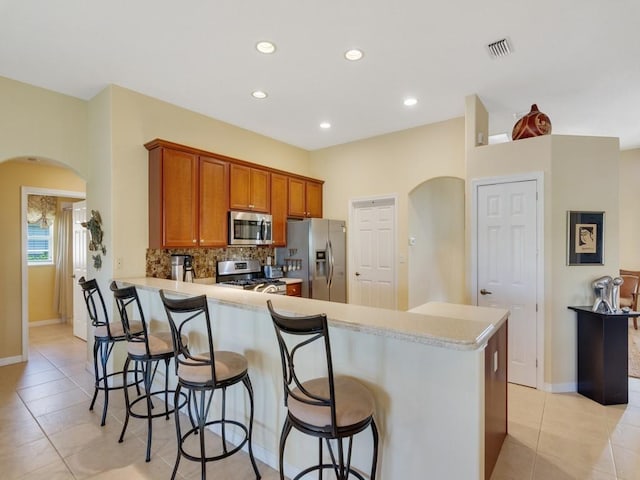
<point>40,425</point>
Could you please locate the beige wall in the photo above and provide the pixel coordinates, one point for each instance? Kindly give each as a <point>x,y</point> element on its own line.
<point>630,209</point>
<point>386,165</point>
<point>103,141</point>
<point>41,123</point>
<point>137,119</point>
<point>437,260</point>
<point>580,173</point>
<point>14,175</point>
<point>41,281</point>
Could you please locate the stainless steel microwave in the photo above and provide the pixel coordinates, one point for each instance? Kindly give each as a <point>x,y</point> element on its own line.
<point>248,228</point>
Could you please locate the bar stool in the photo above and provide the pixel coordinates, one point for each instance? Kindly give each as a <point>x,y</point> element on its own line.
<point>106,335</point>
<point>202,374</point>
<point>148,349</point>
<point>329,408</point>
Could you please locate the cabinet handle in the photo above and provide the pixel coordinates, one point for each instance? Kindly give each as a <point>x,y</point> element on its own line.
<point>194,240</point>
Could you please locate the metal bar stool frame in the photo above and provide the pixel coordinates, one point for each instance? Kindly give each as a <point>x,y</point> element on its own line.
<point>103,345</point>
<point>190,310</point>
<point>127,298</point>
<point>311,329</point>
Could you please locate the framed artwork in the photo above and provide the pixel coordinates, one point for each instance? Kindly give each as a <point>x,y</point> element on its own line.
<point>585,238</point>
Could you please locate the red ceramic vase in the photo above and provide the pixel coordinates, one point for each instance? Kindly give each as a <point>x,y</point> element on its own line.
<point>533,124</point>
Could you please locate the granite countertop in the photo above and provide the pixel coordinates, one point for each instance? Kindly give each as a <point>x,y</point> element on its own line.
<point>452,326</point>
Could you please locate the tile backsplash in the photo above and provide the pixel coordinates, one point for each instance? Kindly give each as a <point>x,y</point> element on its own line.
<point>204,259</point>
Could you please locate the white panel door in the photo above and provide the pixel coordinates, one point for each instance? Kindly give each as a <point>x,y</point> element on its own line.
<point>373,252</point>
<point>80,251</point>
<point>507,267</point>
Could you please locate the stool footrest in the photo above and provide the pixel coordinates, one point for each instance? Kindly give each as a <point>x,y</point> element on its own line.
<point>163,413</point>
<point>195,431</point>
<point>99,382</point>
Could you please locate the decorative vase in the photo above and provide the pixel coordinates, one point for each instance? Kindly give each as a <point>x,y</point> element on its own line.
<point>533,124</point>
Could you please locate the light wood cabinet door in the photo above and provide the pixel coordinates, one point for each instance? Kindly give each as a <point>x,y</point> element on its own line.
<point>214,202</point>
<point>297,200</point>
<point>294,289</point>
<point>179,201</point>
<point>250,189</point>
<point>279,195</point>
<point>313,197</point>
<point>305,198</point>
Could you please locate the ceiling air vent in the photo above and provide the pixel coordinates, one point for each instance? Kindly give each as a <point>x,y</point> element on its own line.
<point>498,49</point>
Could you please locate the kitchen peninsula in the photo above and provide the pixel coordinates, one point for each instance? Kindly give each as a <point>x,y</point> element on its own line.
<point>427,369</point>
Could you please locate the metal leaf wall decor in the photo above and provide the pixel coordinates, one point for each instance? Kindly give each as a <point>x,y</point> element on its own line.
<point>94,225</point>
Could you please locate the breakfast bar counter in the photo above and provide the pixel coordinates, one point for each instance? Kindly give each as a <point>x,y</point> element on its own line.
<point>426,368</point>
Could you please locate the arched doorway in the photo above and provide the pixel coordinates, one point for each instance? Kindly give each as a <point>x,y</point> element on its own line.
<point>437,242</point>
<point>37,176</point>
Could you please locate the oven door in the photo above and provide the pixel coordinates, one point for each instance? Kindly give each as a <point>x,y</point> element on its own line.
<point>246,228</point>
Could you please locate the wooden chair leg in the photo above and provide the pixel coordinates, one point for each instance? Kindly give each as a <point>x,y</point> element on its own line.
<point>635,323</point>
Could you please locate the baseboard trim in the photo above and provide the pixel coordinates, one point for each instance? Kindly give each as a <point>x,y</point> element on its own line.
<point>41,323</point>
<point>569,387</point>
<point>10,360</point>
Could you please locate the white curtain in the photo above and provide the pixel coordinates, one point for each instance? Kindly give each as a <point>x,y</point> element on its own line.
<point>63,287</point>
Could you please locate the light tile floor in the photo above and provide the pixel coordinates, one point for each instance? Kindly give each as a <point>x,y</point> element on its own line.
<point>47,431</point>
<point>567,436</point>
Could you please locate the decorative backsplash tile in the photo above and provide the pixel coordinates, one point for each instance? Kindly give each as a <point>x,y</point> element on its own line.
<point>204,259</point>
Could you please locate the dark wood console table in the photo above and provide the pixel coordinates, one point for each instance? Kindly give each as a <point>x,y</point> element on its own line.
<point>603,363</point>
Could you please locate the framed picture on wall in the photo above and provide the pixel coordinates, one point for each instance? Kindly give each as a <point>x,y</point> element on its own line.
<point>585,238</point>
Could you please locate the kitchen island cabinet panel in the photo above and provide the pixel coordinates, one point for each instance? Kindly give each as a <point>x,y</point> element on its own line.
<point>495,394</point>
<point>214,202</point>
<point>426,369</point>
<point>250,189</point>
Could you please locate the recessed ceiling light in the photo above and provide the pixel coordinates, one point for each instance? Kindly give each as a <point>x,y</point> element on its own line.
<point>410,101</point>
<point>353,54</point>
<point>265,47</point>
<point>259,94</point>
<point>325,125</point>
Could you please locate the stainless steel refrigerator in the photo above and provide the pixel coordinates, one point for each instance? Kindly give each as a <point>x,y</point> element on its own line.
<point>316,254</point>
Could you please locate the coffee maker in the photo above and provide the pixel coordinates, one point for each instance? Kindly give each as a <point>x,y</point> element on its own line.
<point>182,267</point>
<point>189,274</point>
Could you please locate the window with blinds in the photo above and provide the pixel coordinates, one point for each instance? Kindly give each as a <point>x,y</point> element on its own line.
<point>39,244</point>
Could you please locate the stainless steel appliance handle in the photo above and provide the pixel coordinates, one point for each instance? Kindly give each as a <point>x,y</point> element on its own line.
<point>262,230</point>
<point>331,264</point>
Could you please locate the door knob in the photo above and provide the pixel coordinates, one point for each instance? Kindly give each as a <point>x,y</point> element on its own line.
<point>357,274</point>
<point>485,292</point>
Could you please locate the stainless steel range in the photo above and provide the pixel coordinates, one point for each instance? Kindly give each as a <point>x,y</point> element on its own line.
<point>247,274</point>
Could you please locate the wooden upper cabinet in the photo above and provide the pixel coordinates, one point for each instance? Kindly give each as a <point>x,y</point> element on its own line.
<point>250,189</point>
<point>188,199</point>
<point>313,197</point>
<point>214,202</point>
<point>191,192</point>
<point>173,198</point>
<point>305,198</point>
<point>279,193</point>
